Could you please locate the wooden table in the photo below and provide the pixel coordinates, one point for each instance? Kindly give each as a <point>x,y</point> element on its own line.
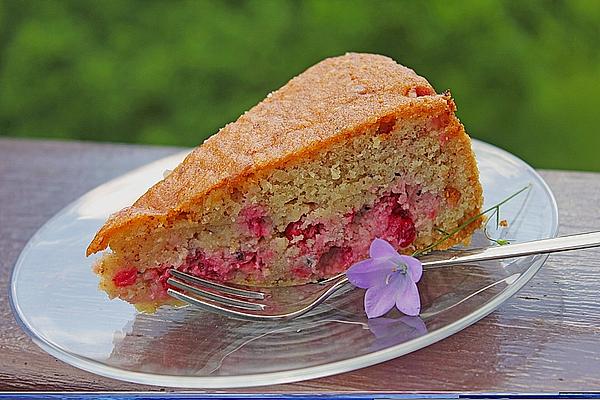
<point>546,338</point>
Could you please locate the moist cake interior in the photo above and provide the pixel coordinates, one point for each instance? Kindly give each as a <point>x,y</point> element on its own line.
<point>404,181</point>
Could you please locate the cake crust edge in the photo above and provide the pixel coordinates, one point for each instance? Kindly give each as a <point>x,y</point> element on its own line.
<point>233,154</point>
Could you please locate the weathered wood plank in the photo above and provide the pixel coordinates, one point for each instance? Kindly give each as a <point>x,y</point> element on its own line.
<point>544,339</point>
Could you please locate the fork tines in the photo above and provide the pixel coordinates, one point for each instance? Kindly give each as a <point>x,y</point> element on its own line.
<point>212,291</point>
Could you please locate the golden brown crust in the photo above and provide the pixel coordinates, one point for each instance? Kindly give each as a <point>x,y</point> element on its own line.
<point>330,101</point>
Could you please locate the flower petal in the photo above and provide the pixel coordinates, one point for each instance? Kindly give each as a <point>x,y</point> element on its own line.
<point>370,273</point>
<point>380,299</point>
<point>382,249</point>
<point>408,300</point>
<point>415,268</point>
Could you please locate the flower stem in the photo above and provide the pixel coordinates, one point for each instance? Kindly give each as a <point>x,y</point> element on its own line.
<point>469,222</point>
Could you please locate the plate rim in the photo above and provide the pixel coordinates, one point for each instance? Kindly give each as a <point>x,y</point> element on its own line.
<point>277,377</point>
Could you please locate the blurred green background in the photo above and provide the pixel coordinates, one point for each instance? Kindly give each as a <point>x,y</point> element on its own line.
<point>525,74</point>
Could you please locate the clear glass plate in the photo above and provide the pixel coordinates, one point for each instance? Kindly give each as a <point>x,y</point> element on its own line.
<point>55,298</point>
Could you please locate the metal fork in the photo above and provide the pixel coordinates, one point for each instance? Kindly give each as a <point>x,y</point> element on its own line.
<point>268,304</point>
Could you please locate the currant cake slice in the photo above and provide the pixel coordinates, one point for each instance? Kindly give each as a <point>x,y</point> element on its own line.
<point>295,190</point>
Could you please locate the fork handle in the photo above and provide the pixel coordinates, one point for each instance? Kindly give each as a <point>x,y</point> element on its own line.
<point>544,246</point>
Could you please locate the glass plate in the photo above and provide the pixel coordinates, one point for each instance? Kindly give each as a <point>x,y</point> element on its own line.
<point>55,298</point>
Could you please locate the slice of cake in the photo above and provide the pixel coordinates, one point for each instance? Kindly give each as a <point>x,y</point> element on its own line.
<point>295,190</point>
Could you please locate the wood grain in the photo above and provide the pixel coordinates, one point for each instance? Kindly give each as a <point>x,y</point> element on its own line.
<point>546,338</point>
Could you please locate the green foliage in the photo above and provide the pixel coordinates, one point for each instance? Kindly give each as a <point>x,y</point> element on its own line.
<point>525,74</point>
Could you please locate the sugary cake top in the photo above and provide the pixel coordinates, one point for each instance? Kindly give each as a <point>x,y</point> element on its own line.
<point>335,98</point>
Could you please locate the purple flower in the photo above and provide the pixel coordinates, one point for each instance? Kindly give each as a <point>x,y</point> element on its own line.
<point>390,278</point>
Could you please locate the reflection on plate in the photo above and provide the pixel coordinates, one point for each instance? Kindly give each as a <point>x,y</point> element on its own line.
<point>54,296</point>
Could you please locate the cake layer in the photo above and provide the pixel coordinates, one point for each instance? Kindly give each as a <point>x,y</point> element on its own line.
<point>403,179</point>
<point>337,98</point>
<point>356,147</point>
